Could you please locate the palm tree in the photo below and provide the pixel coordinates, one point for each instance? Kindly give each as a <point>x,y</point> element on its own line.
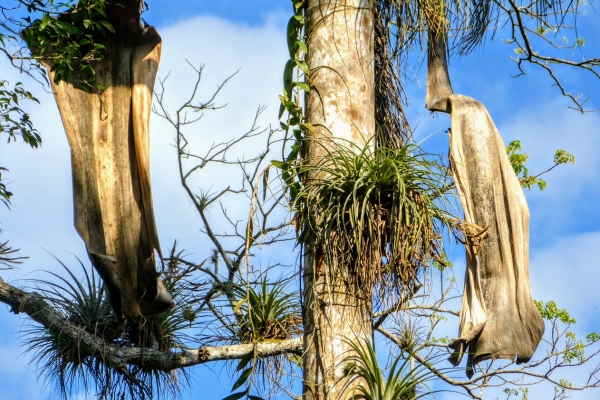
<point>364,198</point>
<point>353,105</point>
<point>341,106</point>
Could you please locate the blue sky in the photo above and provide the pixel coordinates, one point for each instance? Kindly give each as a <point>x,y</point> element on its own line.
<point>250,36</point>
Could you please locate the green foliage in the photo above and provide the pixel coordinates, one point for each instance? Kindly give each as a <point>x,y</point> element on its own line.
<point>60,358</point>
<point>69,41</point>
<point>524,391</point>
<point>592,337</point>
<point>563,157</point>
<point>518,159</point>
<point>267,313</point>
<point>4,193</point>
<point>246,375</point>
<point>7,255</point>
<point>15,122</point>
<point>401,383</point>
<point>290,100</point>
<point>379,211</point>
<point>63,361</point>
<point>469,21</point>
<point>575,349</point>
<point>442,262</point>
<point>551,312</point>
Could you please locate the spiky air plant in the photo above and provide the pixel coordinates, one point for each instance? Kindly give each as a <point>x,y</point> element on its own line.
<point>65,364</point>
<point>8,257</point>
<point>403,382</point>
<point>377,215</point>
<point>267,312</point>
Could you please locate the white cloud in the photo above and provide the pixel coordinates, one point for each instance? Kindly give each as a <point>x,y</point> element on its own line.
<point>565,270</point>
<point>259,54</point>
<point>569,204</point>
<point>41,216</point>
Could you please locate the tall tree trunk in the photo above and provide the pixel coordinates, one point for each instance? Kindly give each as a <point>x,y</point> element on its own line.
<point>341,108</point>
<point>108,132</point>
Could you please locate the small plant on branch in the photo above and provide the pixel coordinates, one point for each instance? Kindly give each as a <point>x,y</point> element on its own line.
<point>64,360</point>
<point>402,382</point>
<point>268,312</point>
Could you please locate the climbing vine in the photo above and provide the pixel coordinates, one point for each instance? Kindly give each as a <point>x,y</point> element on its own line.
<point>295,83</point>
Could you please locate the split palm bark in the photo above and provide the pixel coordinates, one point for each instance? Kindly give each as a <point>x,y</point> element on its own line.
<point>498,318</point>
<point>108,132</point>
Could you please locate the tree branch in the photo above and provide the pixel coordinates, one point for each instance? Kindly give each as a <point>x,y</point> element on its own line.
<point>34,305</point>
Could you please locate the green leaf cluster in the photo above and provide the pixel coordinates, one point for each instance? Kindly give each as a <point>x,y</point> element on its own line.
<point>69,41</point>
<point>575,349</point>
<point>14,121</point>
<point>246,375</point>
<point>5,195</point>
<point>295,81</point>
<point>62,360</point>
<point>8,255</point>
<point>265,313</point>
<point>551,312</point>
<point>514,392</point>
<point>376,212</point>
<point>268,312</point>
<point>402,380</point>
<point>517,160</point>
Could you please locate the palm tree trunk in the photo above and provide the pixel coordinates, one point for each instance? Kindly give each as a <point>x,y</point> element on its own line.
<point>340,106</point>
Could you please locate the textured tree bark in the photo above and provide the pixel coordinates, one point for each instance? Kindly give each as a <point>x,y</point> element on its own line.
<point>341,107</point>
<point>438,79</point>
<point>108,132</point>
<point>498,318</point>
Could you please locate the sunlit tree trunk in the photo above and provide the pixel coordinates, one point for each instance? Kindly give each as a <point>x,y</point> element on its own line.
<point>108,132</point>
<point>341,107</point>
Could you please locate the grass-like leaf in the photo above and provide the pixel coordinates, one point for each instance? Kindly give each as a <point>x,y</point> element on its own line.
<point>402,382</point>
<point>64,364</point>
<point>268,312</point>
<point>376,215</point>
